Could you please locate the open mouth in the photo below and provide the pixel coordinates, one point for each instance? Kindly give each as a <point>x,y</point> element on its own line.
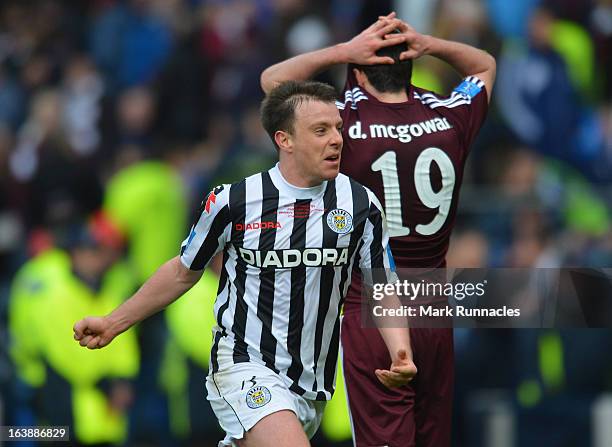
<point>333,158</point>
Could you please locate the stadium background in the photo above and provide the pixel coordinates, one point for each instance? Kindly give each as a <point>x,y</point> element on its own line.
<point>139,107</point>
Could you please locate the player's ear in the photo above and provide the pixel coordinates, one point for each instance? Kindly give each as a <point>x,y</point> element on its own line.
<point>359,76</point>
<point>283,140</point>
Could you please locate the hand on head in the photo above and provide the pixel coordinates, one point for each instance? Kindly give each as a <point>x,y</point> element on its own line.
<point>417,42</point>
<point>361,50</point>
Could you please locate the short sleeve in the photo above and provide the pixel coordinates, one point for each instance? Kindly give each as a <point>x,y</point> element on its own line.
<point>475,111</point>
<point>466,108</point>
<point>472,109</point>
<point>210,232</point>
<point>375,258</point>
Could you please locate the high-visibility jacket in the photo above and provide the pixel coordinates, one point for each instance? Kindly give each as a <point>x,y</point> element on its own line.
<point>336,424</point>
<point>46,300</point>
<point>548,375</point>
<point>148,202</point>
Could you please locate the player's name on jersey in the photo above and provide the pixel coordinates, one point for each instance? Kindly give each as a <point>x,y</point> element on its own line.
<point>309,257</point>
<point>403,132</point>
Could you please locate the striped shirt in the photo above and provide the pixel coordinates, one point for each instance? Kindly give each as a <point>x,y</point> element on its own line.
<point>288,253</point>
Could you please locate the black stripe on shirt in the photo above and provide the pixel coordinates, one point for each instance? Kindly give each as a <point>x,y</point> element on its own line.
<point>223,282</point>
<point>330,239</point>
<point>211,242</point>
<point>360,208</point>
<point>298,284</point>
<point>213,353</point>
<point>376,249</point>
<point>237,202</point>
<point>267,277</point>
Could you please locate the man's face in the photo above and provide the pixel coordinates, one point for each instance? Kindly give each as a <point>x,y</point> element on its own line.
<point>317,140</point>
<point>92,262</point>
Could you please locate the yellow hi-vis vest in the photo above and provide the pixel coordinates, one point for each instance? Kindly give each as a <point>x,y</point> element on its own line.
<point>148,202</point>
<point>551,370</point>
<point>336,424</point>
<point>51,299</point>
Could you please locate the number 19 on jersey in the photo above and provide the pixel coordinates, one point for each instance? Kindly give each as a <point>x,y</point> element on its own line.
<point>442,199</point>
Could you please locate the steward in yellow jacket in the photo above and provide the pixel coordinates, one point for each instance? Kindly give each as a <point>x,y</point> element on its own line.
<point>87,390</point>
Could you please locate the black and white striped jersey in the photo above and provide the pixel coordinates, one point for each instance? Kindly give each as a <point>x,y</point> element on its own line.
<point>288,253</point>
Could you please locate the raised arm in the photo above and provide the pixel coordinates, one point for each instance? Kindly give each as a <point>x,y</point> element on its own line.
<point>166,285</point>
<point>467,60</point>
<point>359,50</point>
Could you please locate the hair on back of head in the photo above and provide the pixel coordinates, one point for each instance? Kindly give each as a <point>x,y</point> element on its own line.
<point>278,108</point>
<point>390,78</point>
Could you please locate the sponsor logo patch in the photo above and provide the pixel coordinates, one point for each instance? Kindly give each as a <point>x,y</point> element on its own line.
<point>340,221</point>
<point>257,226</point>
<point>309,257</point>
<point>258,396</point>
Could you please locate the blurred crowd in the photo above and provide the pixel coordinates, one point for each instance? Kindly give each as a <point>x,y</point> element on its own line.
<point>117,117</point>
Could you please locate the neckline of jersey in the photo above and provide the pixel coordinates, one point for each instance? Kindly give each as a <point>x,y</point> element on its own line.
<point>394,105</point>
<point>295,191</point>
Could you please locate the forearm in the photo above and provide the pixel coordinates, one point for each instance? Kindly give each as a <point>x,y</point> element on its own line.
<point>394,329</point>
<point>466,59</point>
<point>166,285</point>
<point>396,339</point>
<point>361,50</point>
<point>302,67</point>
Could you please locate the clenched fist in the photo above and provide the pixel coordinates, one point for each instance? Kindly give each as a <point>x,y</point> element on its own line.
<point>93,332</point>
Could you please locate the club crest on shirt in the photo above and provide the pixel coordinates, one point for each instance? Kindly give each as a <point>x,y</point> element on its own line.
<point>340,221</point>
<point>258,396</point>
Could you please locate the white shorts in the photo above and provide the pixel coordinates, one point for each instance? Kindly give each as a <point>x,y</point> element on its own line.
<point>245,393</point>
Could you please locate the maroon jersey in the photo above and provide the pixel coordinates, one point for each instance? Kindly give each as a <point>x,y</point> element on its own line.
<point>412,156</point>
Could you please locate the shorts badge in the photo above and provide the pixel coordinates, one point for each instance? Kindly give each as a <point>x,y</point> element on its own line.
<point>339,221</point>
<point>258,396</point>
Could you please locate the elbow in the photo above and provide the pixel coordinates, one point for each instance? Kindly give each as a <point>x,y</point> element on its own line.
<point>491,63</point>
<point>266,82</point>
<point>489,69</point>
<point>183,275</point>
<point>270,79</point>
<point>493,68</point>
